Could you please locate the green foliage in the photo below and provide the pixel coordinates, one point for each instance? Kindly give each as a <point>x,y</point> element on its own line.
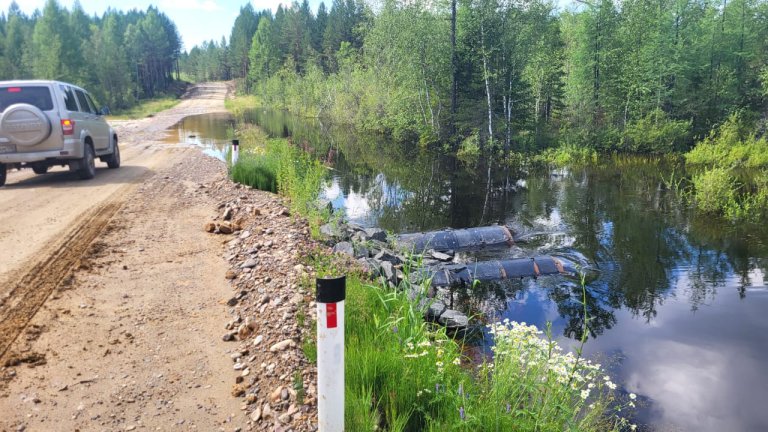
<point>718,191</point>
<point>257,171</point>
<point>403,374</point>
<point>764,80</point>
<point>723,187</point>
<point>567,155</point>
<point>120,57</point>
<point>656,133</point>
<point>275,165</point>
<point>145,108</point>
<point>631,76</point>
<point>733,144</point>
<point>469,149</point>
<point>715,190</point>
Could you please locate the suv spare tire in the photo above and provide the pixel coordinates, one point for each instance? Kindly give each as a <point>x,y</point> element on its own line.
<point>25,124</point>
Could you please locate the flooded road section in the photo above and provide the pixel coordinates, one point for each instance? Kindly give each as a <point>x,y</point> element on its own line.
<point>212,132</point>
<point>676,300</point>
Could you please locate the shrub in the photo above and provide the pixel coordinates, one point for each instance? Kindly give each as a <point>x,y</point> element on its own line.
<point>469,149</point>
<point>715,190</point>
<point>733,144</point>
<point>656,133</point>
<point>567,155</point>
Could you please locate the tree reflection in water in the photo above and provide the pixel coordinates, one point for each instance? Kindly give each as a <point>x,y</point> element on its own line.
<point>641,240</point>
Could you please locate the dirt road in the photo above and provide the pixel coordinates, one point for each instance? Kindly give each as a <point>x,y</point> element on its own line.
<point>110,291</point>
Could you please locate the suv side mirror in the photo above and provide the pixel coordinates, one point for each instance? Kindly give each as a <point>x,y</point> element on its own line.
<point>104,111</point>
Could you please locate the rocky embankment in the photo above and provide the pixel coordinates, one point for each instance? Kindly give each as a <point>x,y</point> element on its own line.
<point>270,307</point>
<point>378,254</point>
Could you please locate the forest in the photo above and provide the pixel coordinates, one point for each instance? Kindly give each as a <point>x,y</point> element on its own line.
<point>641,76</point>
<point>120,57</point>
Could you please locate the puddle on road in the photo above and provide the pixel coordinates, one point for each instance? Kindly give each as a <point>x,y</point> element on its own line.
<point>212,132</point>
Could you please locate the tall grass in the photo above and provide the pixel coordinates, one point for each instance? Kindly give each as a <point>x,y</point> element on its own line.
<point>567,155</point>
<point>257,171</point>
<point>404,374</point>
<point>239,104</point>
<point>275,165</point>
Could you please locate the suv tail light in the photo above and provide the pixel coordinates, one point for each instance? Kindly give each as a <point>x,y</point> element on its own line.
<point>68,126</point>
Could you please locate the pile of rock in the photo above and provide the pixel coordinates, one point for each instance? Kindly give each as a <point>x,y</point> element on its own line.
<point>376,253</point>
<point>271,310</point>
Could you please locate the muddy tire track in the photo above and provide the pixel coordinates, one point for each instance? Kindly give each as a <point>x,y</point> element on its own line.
<point>30,291</point>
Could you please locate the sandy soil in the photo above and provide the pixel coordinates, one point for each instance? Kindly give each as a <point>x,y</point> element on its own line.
<point>112,295</point>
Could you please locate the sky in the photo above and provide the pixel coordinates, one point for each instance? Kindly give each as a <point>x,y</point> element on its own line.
<point>196,20</point>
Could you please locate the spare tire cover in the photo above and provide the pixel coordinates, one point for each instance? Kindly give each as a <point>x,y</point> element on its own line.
<point>25,124</point>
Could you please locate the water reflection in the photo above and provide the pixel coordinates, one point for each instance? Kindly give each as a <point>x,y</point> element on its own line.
<point>676,301</point>
<point>212,132</point>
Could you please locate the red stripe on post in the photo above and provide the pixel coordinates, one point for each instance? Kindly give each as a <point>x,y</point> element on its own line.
<point>330,313</point>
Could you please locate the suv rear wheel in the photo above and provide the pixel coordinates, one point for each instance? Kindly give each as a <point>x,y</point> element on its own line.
<point>113,160</point>
<point>87,163</point>
<point>3,173</point>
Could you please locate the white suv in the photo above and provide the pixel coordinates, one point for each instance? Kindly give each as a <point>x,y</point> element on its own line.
<point>47,123</point>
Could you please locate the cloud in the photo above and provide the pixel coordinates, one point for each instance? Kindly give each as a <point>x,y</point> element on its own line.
<point>206,5</point>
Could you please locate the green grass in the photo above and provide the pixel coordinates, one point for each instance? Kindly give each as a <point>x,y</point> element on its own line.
<point>257,171</point>
<point>567,155</point>
<point>403,374</point>
<point>145,108</point>
<point>240,103</point>
<point>275,165</point>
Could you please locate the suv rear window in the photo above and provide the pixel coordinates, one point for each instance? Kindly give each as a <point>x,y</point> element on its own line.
<point>33,95</point>
<point>84,107</point>
<point>69,98</point>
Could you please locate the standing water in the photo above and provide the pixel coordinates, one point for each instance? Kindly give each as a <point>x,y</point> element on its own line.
<point>676,301</point>
<point>212,132</point>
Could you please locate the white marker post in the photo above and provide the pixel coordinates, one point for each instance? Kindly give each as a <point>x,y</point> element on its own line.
<point>330,353</point>
<point>235,151</point>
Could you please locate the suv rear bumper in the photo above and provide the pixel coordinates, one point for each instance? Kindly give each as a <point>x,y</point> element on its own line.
<point>70,150</point>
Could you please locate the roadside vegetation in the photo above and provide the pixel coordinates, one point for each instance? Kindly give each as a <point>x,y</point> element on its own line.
<point>405,374</point>
<point>274,165</point>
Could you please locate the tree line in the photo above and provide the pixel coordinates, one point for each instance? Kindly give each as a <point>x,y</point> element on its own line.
<point>120,57</point>
<point>634,75</point>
